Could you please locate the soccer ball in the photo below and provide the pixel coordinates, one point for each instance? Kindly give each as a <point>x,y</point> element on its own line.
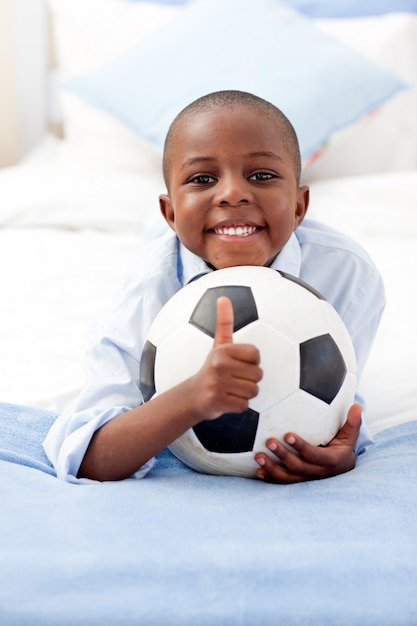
<point>307,358</point>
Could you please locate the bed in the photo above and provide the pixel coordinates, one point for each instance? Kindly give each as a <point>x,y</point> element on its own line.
<point>180,547</point>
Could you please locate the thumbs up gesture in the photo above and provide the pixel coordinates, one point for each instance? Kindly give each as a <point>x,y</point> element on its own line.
<point>224,322</point>
<point>230,375</point>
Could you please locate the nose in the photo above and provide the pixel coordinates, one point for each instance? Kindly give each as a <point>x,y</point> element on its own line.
<point>232,190</point>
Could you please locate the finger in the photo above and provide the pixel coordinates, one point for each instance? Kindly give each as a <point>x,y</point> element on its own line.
<point>302,459</point>
<point>347,437</point>
<point>272,471</point>
<point>349,432</point>
<point>224,321</point>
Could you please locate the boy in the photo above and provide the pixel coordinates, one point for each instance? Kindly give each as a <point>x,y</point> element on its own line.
<point>232,169</point>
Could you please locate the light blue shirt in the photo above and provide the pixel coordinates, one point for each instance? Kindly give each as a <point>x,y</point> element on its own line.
<point>330,262</point>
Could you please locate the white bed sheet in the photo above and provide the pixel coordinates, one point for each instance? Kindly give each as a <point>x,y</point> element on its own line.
<point>55,283</point>
<point>68,238</point>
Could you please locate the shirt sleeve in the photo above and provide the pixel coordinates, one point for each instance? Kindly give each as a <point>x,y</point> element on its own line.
<point>69,437</point>
<point>365,438</point>
<point>362,317</point>
<point>111,388</point>
<point>112,365</point>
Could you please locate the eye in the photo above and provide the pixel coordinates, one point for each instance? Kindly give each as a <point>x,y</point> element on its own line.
<point>202,179</point>
<point>262,176</point>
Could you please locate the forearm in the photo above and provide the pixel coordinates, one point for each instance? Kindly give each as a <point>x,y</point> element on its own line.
<point>124,444</point>
<point>225,383</point>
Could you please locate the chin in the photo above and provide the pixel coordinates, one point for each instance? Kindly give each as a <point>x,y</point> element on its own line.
<point>233,263</point>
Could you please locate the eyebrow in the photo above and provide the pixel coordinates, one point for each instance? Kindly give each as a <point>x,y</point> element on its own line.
<point>266,153</point>
<point>198,159</point>
<point>205,159</point>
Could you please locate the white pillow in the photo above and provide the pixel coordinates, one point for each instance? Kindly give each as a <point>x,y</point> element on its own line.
<point>87,34</point>
<point>386,140</point>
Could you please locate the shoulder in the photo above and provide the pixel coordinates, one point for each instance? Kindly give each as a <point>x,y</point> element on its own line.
<point>338,267</point>
<point>155,264</point>
<point>152,279</point>
<point>324,248</point>
<point>324,239</point>
<point>159,253</point>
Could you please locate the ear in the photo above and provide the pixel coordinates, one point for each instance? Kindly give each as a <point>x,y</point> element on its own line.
<point>167,210</point>
<point>303,199</point>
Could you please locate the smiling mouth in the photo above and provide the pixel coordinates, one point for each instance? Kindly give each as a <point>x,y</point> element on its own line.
<point>240,230</point>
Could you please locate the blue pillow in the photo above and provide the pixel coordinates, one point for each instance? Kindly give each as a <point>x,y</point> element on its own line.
<point>264,47</point>
<point>352,8</point>
<point>161,1</point>
<point>336,8</point>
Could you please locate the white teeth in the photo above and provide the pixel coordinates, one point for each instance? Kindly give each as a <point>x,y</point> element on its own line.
<point>236,231</point>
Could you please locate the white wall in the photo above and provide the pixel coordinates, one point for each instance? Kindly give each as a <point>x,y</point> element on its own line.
<point>23,66</point>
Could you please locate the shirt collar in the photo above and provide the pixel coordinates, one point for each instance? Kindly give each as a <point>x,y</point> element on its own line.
<point>192,265</point>
<point>288,261</point>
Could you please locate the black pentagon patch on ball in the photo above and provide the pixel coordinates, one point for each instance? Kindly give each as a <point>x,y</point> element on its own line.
<point>231,432</point>
<point>147,369</point>
<point>322,368</point>
<point>244,308</point>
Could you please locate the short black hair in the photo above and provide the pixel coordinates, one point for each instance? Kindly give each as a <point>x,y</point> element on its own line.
<point>230,99</point>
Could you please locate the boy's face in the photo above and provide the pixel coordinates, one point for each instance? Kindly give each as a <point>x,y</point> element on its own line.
<point>233,196</point>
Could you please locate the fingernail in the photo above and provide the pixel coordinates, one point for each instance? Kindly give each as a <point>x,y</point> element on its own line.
<point>290,440</point>
<point>272,446</point>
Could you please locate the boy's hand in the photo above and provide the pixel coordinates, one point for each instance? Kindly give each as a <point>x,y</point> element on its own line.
<point>309,462</point>
<point>229,377</point>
